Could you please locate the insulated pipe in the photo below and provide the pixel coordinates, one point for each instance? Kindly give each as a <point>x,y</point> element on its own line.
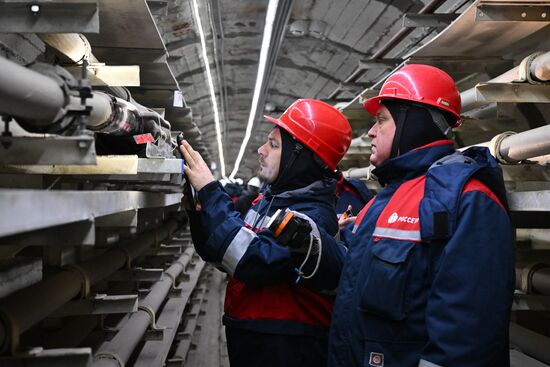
<point>510,147</point>
<point>102,108</point>
<point>530,343</point>
<point>20,310</point>
<point>525,145</point>
<point>538,70</point>
<point>540,281</point>
<point>26,94</point>
<point>363,172</point>
<point>41,101</point>
<point>533,278</point>
<point>121,347</point>
<point>540,67</point>
<point>73,45</point>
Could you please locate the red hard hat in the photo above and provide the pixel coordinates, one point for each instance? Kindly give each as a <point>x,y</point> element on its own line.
<point>319,126</point>
<point>422,84</point>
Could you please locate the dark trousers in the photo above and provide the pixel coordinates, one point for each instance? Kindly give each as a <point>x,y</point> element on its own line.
<point>253,349</point>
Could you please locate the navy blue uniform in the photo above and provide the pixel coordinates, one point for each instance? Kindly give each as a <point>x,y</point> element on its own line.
<point>429,276</point>
<point>352,192</point>
<point>264,304</point>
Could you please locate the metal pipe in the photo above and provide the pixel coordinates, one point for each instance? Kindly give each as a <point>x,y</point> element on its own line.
<point>530,343</point>
<point>363,172</point>
<point>121,347</point>
<point>538,69</point>
<point>41,101</point>
<point>540,281</point>
<point>533,278</point>
<point>26,94</point>
<point>102,108</point>
<point>525,145</point>
<point>20,311</point>
<point>73,45</point>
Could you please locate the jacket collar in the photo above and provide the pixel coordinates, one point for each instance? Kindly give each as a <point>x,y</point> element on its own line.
<point>321,190</point>
<point>413,163</point>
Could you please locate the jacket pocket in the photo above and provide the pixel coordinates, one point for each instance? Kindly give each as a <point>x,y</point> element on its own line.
<point>385,288</point>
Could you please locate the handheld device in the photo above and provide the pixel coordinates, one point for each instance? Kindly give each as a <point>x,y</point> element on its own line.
<point>290,230</point>
<point>348,213</point>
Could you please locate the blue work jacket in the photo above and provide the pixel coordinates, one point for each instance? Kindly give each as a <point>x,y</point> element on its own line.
<point>263,294</point>
<point>429,275</point>
<point>352,192</point>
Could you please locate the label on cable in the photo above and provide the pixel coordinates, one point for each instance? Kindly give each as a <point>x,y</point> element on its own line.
<point>144,138</point>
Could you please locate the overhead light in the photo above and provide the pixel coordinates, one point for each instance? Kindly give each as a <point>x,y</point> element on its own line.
<point>211,86</point>
<point>266,41</point>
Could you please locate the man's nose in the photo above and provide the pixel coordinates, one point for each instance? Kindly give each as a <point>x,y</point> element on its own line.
<point>372,131</point>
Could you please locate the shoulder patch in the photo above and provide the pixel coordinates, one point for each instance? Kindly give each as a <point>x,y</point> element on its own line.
<point>476,185</point>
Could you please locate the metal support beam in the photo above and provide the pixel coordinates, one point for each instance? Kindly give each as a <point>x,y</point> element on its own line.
<point>512,12</point>
<point>39,357</point>
<point>138,274</point>
<point>20,311</point>
<point>534,201</point>
<point>125,219</point>
<point>109,75</point>
<point>512,93</point>
<point>523,302</point>
<point>380,64</point>
<point>74,234</point>
<point>530,343</point>
<point>84,205</point>
<point>49,16</point>
<point>18,273</point>
<point>463,65</point>
<point>24,150</point>
<point>441,20</point>
<point>99,304</point>
<point>158,7</point>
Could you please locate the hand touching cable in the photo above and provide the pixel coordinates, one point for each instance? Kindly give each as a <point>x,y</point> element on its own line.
<point>196,170</point>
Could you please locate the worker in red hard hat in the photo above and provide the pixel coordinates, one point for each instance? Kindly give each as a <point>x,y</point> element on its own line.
<point>277,309</point>
<point>429,275</point>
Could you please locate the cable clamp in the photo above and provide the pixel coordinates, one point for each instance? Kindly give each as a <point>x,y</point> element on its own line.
<point>109,355</point>
<point>85,290</point>
<point>524,69</point>
<point>154,332</point>
<point>494,146</point>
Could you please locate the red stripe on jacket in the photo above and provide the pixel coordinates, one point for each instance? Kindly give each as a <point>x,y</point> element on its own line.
<point>283,301</point>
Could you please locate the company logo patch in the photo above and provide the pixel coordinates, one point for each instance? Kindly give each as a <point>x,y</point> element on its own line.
<point>401,219</point>
<point>376,359</point>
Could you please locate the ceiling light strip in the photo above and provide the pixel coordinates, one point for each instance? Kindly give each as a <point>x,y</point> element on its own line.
<point>211,86</point>
<point>266,41</point>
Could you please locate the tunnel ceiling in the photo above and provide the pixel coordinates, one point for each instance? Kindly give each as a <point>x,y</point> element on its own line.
<point>322,45</point>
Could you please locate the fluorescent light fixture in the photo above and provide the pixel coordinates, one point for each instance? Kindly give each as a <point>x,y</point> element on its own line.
<point>211,86</point>
<point>268,29</point>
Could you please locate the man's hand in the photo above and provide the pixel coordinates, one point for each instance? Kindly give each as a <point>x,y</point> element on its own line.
<point>344,221</point>
<point>196,170</point>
